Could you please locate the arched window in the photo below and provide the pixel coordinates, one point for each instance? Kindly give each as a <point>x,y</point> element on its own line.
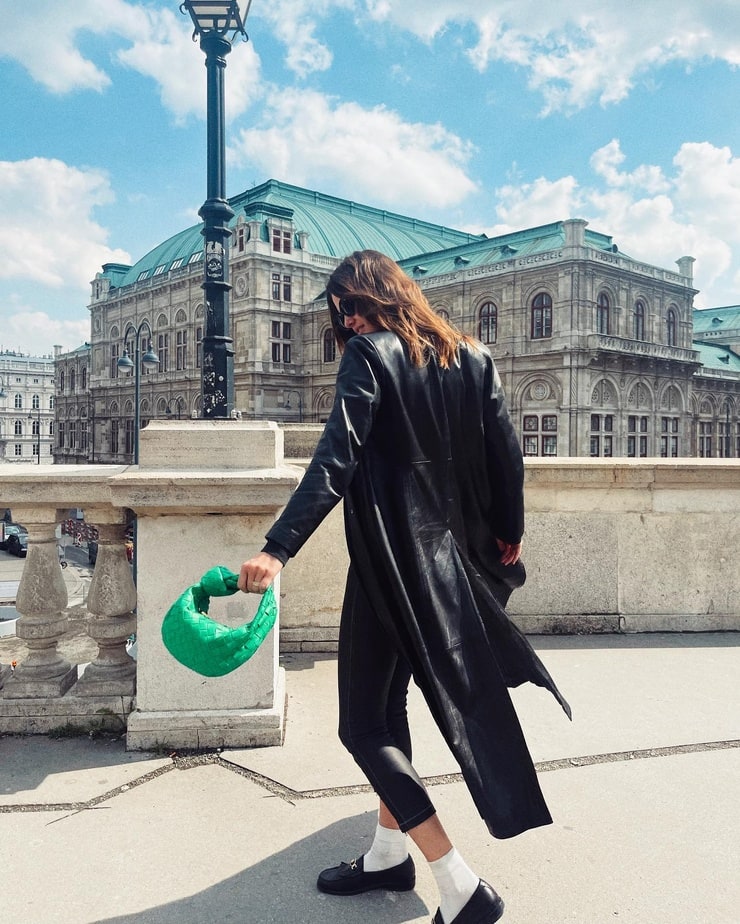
<point>83,378</point>
<point>488,323</point>
<point>36,403</point>
<point>444,314</point>
<point>51,403</point>
<point>163,351</point>
<point>541,316</point>
<point>72,380</point>
<point>35,428</point>
<point>19,402</point>
<point>330,346</point>
<point>602,314</point>
<point>638,331</point>
<point>198,347</point>
<point>671,327</point>
<point>19,428</point>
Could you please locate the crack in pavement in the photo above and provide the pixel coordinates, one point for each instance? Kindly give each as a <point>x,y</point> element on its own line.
<point>188,761</point>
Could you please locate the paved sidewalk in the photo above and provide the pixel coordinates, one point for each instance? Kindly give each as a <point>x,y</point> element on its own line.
<point>643,786</point>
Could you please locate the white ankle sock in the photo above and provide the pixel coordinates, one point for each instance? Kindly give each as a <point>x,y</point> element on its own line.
<point>389,848</point>
<point>456,883</point>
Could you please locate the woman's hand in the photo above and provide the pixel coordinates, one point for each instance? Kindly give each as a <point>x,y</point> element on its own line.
<point>510,552</point>
<point>256,575</point>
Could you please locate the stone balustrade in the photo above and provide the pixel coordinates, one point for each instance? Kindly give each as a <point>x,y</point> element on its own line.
<point>611,545</point>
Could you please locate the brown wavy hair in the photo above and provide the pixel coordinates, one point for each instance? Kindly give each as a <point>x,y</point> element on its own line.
<point>393,301</point>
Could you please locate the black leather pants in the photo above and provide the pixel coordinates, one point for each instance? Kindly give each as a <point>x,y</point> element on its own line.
<point>373,724</point>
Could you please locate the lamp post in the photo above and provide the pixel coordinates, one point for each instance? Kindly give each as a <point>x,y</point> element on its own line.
<point>300,404</point>
<point>38,433</point>
<point>214,21</point>
<point>178,404</point>
<point>149,360</point>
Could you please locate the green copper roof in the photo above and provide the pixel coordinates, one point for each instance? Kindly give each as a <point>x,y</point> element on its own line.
<point>717,319</point>
<point>712,356</point>
<point>335,228</point>
<point>516,246</point>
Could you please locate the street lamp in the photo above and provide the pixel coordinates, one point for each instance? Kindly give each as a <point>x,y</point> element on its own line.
<point>300,404</point>
<point>178,404</point>
<point>149,360</point>
<point>38,433</point>
<point>214,22</point>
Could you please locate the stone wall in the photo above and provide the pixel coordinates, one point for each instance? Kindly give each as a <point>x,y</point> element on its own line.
<point>610,546</point>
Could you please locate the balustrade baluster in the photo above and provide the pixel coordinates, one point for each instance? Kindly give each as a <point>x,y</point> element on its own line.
<point>110,603</point>
<point>41,602</point>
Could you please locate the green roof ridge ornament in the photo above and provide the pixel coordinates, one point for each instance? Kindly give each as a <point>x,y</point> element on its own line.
<point>204,645</point>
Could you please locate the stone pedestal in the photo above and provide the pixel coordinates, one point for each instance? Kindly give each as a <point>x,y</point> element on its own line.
<point>205,493</point>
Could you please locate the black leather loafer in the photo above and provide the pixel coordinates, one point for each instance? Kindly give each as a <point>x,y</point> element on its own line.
<point>484,907</point>
<point>351,878</point>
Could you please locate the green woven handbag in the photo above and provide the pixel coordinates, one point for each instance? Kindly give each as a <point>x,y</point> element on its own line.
<point>207,646</point>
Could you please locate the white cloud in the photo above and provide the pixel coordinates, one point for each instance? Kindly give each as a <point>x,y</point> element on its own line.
<point>575,53</point>
<point>294,23</point>
<point>708,188</point>
<point>365,154</point>
<point>158,45</point>
<point>42,37</point>
<point>607,161</point>
<point>48,234</point>
<point>651,216</point>
<point>168,55</point>
<point>526,205</point>
<point>35,332</point>
<point>581,51</point>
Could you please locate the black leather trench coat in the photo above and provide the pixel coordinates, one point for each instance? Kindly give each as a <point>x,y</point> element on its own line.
<point>431,472</point>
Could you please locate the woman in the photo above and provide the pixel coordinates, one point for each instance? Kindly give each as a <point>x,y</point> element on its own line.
<point>420,446</point>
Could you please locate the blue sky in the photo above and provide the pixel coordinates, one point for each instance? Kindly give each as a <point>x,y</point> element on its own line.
<point>485,115</point>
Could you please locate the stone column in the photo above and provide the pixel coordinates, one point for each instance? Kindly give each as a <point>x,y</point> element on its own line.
<point>205,493</point>
<point>111,601</point>
<point>41,601</point>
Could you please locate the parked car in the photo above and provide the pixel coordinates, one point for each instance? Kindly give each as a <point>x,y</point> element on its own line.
<point>7,530</point>
<point>17,542</point>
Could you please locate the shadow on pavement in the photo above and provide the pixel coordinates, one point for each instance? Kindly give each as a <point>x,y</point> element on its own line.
<point>26,762</point>
<point>281,890</point>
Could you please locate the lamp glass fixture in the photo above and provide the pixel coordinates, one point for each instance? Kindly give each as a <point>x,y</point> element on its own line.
<point>150,360</point>
<point>218,16</point>
<point>125,362</point>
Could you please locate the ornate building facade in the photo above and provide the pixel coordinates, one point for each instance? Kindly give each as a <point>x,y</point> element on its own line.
<point>596,349</point>
<point>26,408</point>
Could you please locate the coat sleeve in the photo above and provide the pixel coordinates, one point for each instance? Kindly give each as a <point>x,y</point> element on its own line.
<point>338,452</point>
<point>504,460</point>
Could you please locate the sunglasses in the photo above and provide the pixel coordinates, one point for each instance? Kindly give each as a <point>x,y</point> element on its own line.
<point>348,307</point>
